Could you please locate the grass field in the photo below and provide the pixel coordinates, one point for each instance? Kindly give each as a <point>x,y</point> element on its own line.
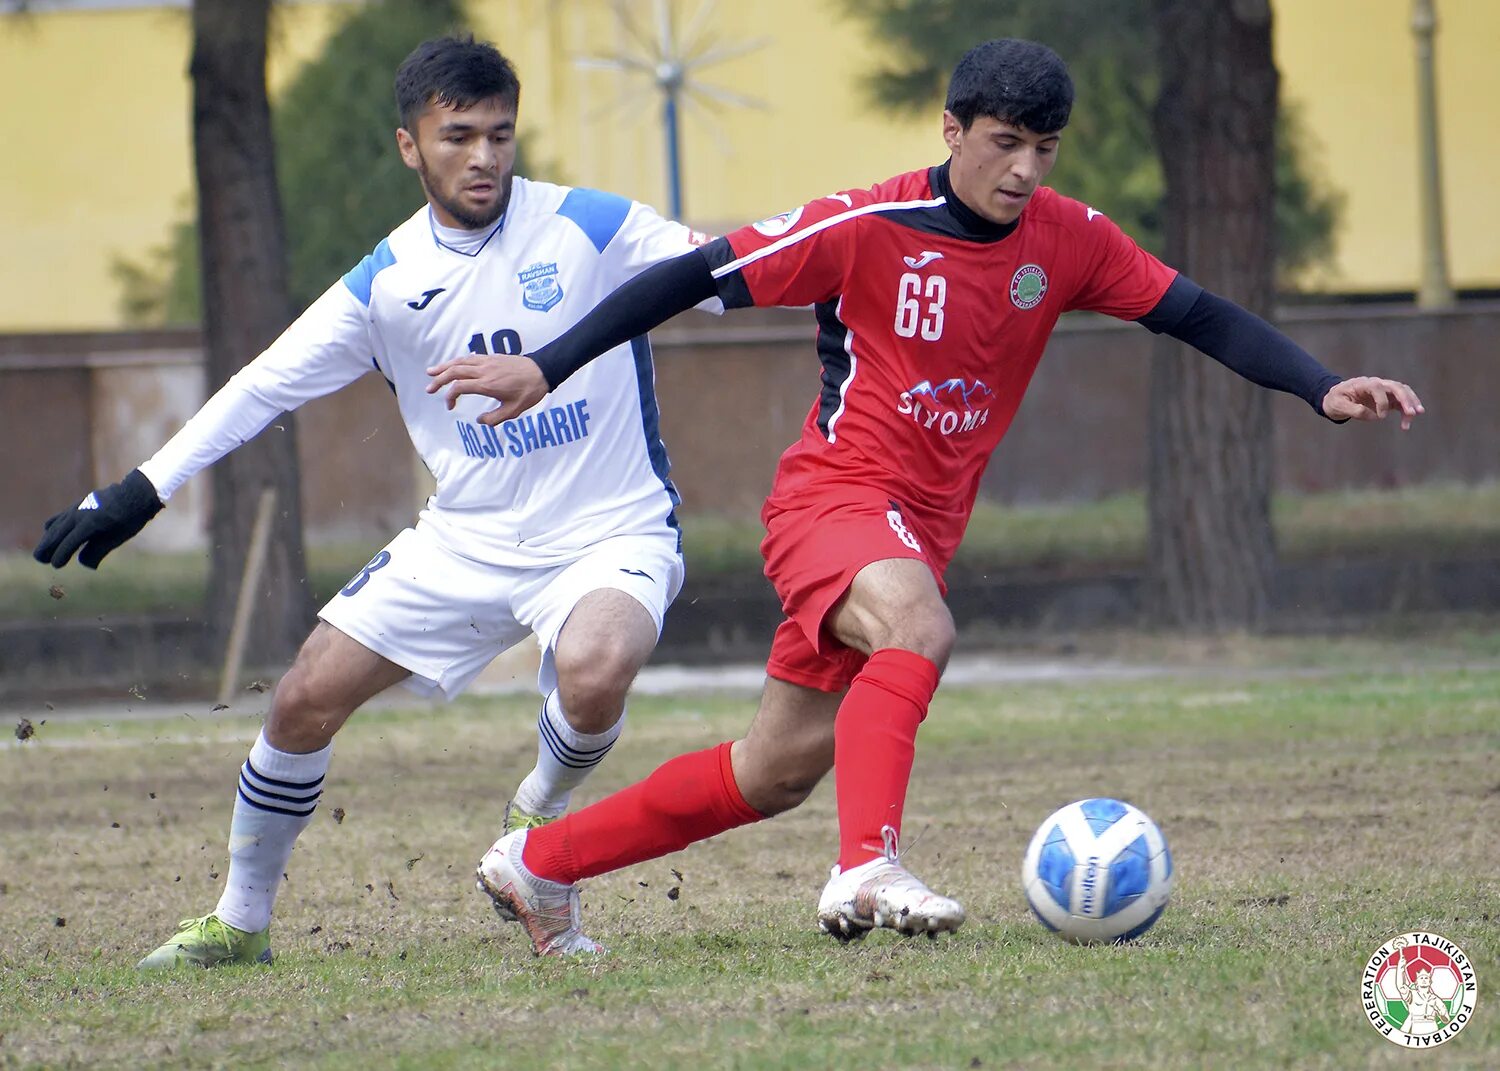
<point>1312,816</point>
<point>1431,520</point>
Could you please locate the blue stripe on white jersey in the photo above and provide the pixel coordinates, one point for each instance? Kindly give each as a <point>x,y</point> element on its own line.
<point>361,278</point>
<point>645,381</point>
<point>599,215</point>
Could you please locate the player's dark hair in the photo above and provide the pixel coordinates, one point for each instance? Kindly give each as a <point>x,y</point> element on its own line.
<point>1017,82</point>
<point>457,71</point>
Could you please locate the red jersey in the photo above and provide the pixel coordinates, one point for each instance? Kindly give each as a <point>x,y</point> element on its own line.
<point>931,321</point>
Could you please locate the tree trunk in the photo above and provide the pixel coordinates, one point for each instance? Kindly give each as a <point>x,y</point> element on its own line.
<point>1211,547</point>
<point>245,306</point>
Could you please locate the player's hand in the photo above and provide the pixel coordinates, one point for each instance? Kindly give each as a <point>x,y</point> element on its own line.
<point>515,382</point>
<point>100,523</point>
<point>1371,398</point>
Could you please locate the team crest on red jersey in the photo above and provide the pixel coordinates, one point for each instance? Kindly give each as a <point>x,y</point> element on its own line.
<point>776,226</point>
<point>1028,286</point>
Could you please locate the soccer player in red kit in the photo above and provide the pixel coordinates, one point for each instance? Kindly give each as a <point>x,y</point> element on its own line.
<point>935,293</point>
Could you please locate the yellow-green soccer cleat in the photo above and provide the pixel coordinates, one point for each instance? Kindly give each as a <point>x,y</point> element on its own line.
<point>208,942</point>
<point>517,820</point>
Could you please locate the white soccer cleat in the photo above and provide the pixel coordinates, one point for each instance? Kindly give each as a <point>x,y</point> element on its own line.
<point>882,892</point>
<point>549,910</point>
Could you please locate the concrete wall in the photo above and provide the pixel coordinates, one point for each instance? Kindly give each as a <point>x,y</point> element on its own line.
<point>79,410</point>
<point>734,395</point>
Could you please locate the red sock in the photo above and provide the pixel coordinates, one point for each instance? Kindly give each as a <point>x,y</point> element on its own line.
<point>874,741</point>
<point>686,799</point>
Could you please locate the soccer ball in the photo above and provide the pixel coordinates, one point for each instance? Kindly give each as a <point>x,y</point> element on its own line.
<point>1097,870</point>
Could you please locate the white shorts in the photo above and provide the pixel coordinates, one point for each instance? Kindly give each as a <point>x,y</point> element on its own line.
<point>445,617</point>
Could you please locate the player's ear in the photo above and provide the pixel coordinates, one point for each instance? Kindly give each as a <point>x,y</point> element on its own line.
<point>406,144</point>
<point>953,130</point>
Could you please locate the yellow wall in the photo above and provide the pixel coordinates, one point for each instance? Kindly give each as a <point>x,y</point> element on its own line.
<point>1350,66</point>
<point>95,152</point>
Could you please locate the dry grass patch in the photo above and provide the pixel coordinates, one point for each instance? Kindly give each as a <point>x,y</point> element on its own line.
<point>1311,818</point>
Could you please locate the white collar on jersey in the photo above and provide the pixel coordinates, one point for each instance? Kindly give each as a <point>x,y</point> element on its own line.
<point>464,242</point>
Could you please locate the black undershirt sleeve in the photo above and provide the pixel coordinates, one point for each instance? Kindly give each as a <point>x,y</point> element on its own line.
<point>1239,340</point>
<point>649,300</point>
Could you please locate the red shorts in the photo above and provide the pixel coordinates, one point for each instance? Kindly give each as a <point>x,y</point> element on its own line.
<point>812,554</point>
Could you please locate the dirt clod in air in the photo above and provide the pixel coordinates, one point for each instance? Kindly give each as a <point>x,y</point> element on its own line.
<point>24,729</point>
<point>57,592</point>
<point>338,815</point>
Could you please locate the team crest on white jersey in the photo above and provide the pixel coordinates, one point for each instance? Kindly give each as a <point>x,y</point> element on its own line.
<point>776,226</point>
<point>539,286</point>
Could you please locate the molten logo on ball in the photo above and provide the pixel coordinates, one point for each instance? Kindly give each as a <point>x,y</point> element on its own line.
<point>1098,870</point>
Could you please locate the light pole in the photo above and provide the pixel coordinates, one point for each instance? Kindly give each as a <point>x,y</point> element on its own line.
<point>671,59</point>
<point>1435,290</point>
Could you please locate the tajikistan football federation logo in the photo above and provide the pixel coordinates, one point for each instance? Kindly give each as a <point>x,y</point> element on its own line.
<point>1418,990</point>
<point>540,289</point>
<point>1028,286</point>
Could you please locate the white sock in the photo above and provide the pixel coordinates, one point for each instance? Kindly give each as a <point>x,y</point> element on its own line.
<point>277,794</point>
<point>564,758</point>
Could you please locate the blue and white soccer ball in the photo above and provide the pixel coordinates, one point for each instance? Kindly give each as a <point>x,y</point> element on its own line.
<point>1098,870</point>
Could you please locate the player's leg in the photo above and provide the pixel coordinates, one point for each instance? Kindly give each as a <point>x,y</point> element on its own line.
<point>894,613</point>
<point>856,578</point>
<point>598,621</point>
<point>279,787</point>
<point>418,613</point>
<point>787,750</point>
<point>607,639</point>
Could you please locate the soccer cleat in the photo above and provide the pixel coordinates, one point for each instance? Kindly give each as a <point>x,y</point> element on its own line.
<point>209,942</point>
<point>549,910</point>
<point>517,819</point>
<point>882,892</point>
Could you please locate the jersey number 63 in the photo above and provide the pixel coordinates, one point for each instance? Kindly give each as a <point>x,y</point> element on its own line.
<point>911,316</point>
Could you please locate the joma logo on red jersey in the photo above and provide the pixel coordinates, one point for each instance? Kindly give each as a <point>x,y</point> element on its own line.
<point>948,407</point>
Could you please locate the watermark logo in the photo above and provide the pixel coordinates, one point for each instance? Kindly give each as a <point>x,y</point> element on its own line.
<point>1418,990</point>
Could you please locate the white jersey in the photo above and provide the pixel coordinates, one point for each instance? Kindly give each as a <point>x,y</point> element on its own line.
<point>584,464</point>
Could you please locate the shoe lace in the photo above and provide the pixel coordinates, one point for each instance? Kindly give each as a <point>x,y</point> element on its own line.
<point>890,843</point>
<point>521,820</point>
<point>210,928</point>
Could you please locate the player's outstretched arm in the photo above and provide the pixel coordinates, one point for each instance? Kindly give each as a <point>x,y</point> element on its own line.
<point>1249,346</point>
<point>326,348</point>
<point>100,523</point>
<point>645,302</point>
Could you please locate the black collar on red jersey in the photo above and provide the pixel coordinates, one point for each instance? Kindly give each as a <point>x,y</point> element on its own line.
<point>971,224</point>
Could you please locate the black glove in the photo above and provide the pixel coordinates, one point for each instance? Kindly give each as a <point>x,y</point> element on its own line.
<point>100,523</point>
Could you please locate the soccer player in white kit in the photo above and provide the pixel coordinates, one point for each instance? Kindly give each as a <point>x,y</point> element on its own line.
<point>560,523</point>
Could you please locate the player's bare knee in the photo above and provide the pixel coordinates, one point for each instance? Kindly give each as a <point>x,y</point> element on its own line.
<point>928,631</point>
<point>594,698</point>
<point>593,690</point>
<point>301,719</point>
